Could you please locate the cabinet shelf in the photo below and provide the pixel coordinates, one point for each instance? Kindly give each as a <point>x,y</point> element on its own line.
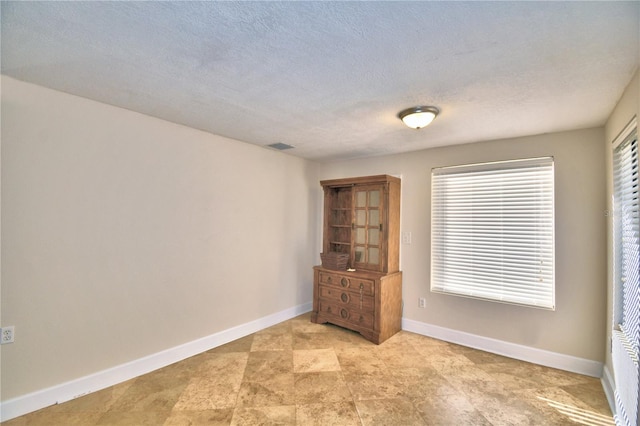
<point>340,243</point>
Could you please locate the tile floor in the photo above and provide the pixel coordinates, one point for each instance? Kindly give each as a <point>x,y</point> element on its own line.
<point>300,373</point>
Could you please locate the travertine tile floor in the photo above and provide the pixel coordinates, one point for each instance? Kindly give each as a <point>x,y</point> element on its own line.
<point>300,373</point>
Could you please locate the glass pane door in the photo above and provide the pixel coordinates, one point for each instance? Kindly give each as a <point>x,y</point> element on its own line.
<point>367,227</point>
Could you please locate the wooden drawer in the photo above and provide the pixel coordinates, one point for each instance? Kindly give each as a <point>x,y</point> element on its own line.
<point>345,313</point>
<point>349,283</point>
<point>346,298</point>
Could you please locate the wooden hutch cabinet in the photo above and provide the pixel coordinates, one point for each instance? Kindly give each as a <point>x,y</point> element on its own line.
<point>361,220</point>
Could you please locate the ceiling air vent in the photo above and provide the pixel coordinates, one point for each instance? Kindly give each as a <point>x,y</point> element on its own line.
<point>280,146</point>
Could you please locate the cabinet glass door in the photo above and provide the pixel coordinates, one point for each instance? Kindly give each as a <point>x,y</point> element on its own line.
<point>367,227</point>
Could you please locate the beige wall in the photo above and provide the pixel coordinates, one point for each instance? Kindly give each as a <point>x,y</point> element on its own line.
<point>628,106</point>
<point>124,235</point>
<point>577,326</point>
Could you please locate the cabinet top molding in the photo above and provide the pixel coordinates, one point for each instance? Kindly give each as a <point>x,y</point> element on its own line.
<point>359,180</point>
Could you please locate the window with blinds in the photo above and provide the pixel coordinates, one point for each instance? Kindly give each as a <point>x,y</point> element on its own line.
<point>625,342</point>
<point>627,239</point>
<point>492,228</point>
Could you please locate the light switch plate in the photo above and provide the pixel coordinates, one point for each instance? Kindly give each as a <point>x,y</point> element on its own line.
<point>406,238</point>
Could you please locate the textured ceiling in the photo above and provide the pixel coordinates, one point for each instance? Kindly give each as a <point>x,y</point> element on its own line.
<point>330,77</point>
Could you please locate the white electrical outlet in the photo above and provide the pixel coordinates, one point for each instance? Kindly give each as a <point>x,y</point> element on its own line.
<point>422,302</point>
<point>7,334</point>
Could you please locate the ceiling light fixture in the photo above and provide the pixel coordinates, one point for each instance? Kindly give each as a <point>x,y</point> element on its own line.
<point>418,117</point>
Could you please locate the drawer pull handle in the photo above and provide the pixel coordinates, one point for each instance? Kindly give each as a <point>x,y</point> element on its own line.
<point>361,318</point>
<point>328,279</point>
<point>344,297</point>
<point>344,282</point>
<point>329,309</point>
<point>344,313</point>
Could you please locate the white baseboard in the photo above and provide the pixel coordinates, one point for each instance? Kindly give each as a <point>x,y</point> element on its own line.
<point>511,350</point>
<point>103,379</point>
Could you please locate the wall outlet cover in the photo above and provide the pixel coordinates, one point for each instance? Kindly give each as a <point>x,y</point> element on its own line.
<point>7,334</point>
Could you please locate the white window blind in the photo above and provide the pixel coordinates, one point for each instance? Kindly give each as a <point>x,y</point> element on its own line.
<point>492,230</point>
<point>626,247</point>
<point>627,239</point>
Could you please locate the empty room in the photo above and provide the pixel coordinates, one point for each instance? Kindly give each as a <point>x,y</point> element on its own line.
<point>322,212</point>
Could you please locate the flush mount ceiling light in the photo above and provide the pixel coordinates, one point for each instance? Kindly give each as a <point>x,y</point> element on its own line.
<point>418,117</point>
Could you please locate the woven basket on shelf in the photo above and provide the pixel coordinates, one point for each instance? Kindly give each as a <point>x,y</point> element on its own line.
<point>335,260</point>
